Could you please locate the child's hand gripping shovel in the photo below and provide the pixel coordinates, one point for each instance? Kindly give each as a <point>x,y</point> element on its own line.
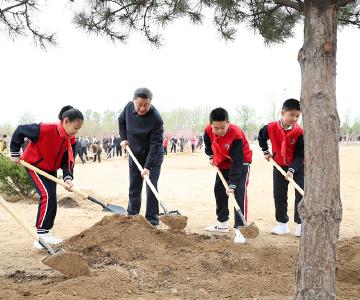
<point>294,184</point>
<point>173,219</point>
<point>250,231</point>
<point>69,263</point>
<point>116,209</point>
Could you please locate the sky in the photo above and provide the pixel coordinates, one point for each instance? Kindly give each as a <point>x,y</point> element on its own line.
<point>194,67</point>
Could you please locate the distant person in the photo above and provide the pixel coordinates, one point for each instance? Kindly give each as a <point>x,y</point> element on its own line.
<point>228,149</point>
<point>165,144</point>
<point>78,149</point>
<point>173,142</point>
<point>118,148</point>
<point>193,142</point>
<point>51,148</point>
<point>287,143</point>
<point>3,144</point>
<point>141,128</point>
<point>84,147</point>
<point>96,149</point>
<point>182,143</point>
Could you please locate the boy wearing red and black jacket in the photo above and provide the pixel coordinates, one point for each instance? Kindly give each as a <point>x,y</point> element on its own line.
<point>228,149</point>
<point>51,147</point>
<point>287,141</point>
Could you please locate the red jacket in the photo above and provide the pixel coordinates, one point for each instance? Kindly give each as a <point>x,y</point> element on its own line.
<point>47,151</point>
<point>283,142</point>
<point>221,146</point>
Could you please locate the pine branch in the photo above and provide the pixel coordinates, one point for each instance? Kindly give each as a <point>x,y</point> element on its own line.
<point>298,5</point>
<point>345,2</point>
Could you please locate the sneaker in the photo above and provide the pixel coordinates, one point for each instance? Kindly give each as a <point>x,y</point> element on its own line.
<point>280,228</point>
<point>221,227</point>
<point>51,240</point>
<point>239,238</point>
<point>298,230</point>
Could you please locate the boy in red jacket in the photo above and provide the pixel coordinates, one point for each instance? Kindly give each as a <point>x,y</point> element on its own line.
<point>51,147</point>
<point>287,143</point>
<point>228,149</point>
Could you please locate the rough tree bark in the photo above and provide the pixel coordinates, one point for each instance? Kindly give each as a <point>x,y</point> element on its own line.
<point>321,209</point>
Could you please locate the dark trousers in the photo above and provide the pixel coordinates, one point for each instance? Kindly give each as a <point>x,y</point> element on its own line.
<point>192,148</point>
<point>280,188</point>
<point>98,156</point>
<point>84,151</point>
<point>47,201</point>
<point>222,208</point>
<point>165,150</point>
<point>173,148</point>
<point>136,184</point>
<point>118,150</point>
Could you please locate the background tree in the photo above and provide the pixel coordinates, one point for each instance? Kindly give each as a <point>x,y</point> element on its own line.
<point>27,118</point>
<point>321,210</point>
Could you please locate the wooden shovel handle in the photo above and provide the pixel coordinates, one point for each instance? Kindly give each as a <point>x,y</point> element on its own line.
<point>53,178</point>
<point>147,179</point>
<point>280,169</point>
<point>231,196</point>
<point>25,225</point>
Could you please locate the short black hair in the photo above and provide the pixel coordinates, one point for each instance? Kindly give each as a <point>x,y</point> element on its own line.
<point>4,136</point>
<point>71,113</point>
<point>291,104</point>
<point>143,93</point>
<point>219,114</point>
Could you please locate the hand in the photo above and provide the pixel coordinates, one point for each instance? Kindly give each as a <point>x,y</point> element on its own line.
<point>211,162</point>
<point>230,191</point>
<point>124,143</point>
<point>16,160</point>
<point>289,175</point>
<point>145,172</point>
<point>69,184</point>
<point>268,156</point>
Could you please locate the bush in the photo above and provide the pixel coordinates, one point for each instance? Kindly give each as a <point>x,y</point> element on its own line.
<point>14,181</point>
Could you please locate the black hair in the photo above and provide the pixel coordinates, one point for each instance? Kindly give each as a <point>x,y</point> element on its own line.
<point>71,113</point>
<point>143,93</point>
<point>219,114</point>
<point>4,136</point>
<point>291,104</point>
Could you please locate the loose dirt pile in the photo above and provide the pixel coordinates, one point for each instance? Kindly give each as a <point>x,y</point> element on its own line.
<point>68,202</point>
<point>133,260</point>
<point>175,223</point>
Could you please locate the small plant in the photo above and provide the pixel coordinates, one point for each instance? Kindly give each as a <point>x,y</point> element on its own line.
<point>14,181</point>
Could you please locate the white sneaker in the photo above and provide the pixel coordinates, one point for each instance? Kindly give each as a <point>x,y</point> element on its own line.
<point>222,227</point>
<point>239,238</point>
<point>51,240</point>
<point>280,228</point>
<point>298,230</point>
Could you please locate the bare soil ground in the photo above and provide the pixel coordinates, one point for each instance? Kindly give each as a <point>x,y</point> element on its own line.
<point>130,259</point>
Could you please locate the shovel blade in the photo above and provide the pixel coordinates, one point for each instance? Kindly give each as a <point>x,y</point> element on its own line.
<point>250,231</point>
<point>115,209</point>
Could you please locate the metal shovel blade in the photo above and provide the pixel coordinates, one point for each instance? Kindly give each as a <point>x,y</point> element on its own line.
<point>116,209</point>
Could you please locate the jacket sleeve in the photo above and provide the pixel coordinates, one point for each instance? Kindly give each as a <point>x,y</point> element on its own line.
<point>207,143</point>
<point>122,125</point>
<point>30,131</point>
<point>263,138</point>
<point>299,155</point>
<point>67,174</point>
<point>156,144</point>
<point>237,156</point>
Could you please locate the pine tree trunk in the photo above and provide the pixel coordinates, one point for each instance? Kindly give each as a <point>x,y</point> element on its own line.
<point>321,209</point>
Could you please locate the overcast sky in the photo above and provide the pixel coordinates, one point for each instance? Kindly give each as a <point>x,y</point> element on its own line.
<point>194,67</point>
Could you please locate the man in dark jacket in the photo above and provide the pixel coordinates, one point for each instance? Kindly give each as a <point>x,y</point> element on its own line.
<point>141,128</point>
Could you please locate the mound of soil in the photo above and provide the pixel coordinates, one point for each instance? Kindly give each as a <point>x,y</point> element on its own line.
<point>348,267</point>
<point>68,202</point>
<point>130,259</point>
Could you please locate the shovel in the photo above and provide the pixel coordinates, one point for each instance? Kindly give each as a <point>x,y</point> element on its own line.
<point>116,209</point>
<point>173,218</point>
<point>294,184</point>
<point>249,231</point>
<point>69,263</point>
